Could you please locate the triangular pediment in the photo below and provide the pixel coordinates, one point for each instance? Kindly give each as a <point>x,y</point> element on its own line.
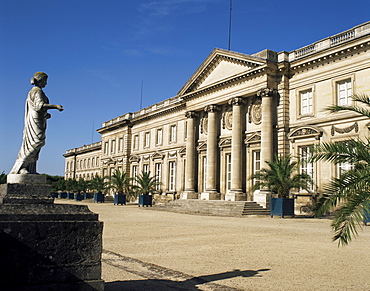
<point>220,65</point>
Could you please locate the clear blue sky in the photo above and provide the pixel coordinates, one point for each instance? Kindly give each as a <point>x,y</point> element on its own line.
<point>98,52</point>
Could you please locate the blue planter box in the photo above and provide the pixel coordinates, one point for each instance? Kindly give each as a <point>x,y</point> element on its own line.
<point>145,200</point>
<point>120,199</point>
<point>87,195</point>
<point>281,207</point>
<point>54,195</point>
<point>367,218</point>
<point>79,197</point>
<point>70,195</point>
<point>98,197</point>
<point>63,195</point>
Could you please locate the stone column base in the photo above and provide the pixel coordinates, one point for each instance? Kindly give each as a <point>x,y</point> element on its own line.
<point>262,197</point>
<point>235,196</point>
<point>189,195</point>
<point>210,196</point>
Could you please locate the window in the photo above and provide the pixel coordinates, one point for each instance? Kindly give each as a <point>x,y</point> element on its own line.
<point>113,146</point>
<point>134,173</point>
<point>305,153</point>
<point>159,136</point>
<point>173,133</point>
<point>204,173</point>
<point>158,174</point>
<point>106,148</point>
<point>306,102</point>
<point>120,145</point>
<point>147,140</point>
<point>146,168</point>
<point>256,163</point>
<point>136,141</point>
<point>344,92</point>
<point>228,172</point>
<point>172,167</point>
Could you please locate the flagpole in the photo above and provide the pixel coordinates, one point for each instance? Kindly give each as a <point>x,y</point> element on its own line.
<point>231,9</point>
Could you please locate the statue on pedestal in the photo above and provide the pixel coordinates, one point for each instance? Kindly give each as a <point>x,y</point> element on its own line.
<point>37,105</point>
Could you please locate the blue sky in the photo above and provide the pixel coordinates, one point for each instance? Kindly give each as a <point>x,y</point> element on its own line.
<point>97,53</point>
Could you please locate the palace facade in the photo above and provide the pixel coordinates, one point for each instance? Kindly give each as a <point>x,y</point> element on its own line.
<point>236,112</point>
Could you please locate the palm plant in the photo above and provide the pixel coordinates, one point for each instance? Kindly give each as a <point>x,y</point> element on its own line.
<point>145,184</point>
<point>120,182</point>
<point>281,177</point>
<point>99,184</point>
<point>3,178</point>
<point>348,194</point>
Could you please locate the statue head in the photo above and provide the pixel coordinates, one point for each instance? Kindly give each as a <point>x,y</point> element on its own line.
<point>37,77</point>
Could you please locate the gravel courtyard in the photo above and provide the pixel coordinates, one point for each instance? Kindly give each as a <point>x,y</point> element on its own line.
<point>155,250</point>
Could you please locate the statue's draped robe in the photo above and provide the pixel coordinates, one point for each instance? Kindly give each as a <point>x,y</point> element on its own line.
<point>33,133</point>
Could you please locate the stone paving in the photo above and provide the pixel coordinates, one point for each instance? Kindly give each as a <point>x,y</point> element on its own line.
<point>156,250</point>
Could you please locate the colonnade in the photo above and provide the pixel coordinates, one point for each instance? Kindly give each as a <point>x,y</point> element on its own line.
<point>236,190</point>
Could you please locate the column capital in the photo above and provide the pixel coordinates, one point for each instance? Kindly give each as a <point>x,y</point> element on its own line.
<point>236,101</point>
<point>211,108</point>
<point>191,114</point>
<point>267,92</point>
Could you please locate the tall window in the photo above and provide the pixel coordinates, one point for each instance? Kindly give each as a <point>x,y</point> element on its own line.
<point>172,176</point>
<point>159,136</point>
<point>306,102</point>
<point>120,144</point>
<point>146,168</point>
<point>134,172</point>
<point>147,140</point>
<point>113,146</point>
<point>158,174</point>
<point>228,172</point>
<point>344,92</point>
<point>204,173</point>
<point>306,166</point>
<point>106,148</point>
<point>136,141</point>
<point>173,133</point>
<point>256,163</point>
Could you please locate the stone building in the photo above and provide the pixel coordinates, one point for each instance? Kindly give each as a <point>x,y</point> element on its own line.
<point>235,113</point>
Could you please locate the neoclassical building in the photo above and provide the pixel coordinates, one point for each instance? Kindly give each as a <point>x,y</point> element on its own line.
<point>236,112</point>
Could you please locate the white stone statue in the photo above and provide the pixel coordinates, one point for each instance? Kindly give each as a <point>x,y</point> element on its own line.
<point>37,105</point>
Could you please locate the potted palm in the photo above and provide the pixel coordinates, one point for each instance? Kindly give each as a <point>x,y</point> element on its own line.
<point>81,187</point>
<point>120,182</point>
<point>99,184</point>
<point>145,186</point>
<point>280,178</point>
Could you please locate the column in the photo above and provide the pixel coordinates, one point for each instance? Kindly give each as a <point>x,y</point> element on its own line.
<point>211,189</point>
<point>189,192</point>
<point>267,140</point>
<point>236,191</point>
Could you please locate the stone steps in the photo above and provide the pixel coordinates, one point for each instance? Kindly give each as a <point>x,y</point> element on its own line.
<point>212,207</point>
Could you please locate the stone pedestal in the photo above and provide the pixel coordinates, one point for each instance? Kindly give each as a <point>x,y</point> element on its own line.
<point>235,196</point>
<point>46,246</point>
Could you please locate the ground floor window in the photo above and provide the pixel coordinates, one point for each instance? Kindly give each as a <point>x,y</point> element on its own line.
<point>228,172</point>
<point>305,165</point>
<point>158,174</point>
<point>172,176</point>
<point>256,164</point>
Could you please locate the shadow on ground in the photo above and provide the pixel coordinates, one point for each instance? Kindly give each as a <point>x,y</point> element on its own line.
<point>189,284</point>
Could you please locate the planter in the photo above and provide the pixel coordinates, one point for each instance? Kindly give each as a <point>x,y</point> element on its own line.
<point>79,197</point>
<point>99,197</point>
<point>54,195</point>
<point>145,200</point>
<point>87,195</point>
<point>70,195</point>
<point>366,218</point>
<point>120,199</point>
<point>63,195</point>
<point>282,207</point>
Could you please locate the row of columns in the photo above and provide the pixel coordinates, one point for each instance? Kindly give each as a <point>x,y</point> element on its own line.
<point>236,191</point>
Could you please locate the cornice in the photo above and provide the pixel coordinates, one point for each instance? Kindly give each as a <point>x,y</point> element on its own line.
<point>326,57</point>
<point>113,126</point>
<point>84,149</point>
<point>151,115</point>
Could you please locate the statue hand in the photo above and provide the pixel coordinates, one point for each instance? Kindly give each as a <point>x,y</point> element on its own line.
<point>59,107</point>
